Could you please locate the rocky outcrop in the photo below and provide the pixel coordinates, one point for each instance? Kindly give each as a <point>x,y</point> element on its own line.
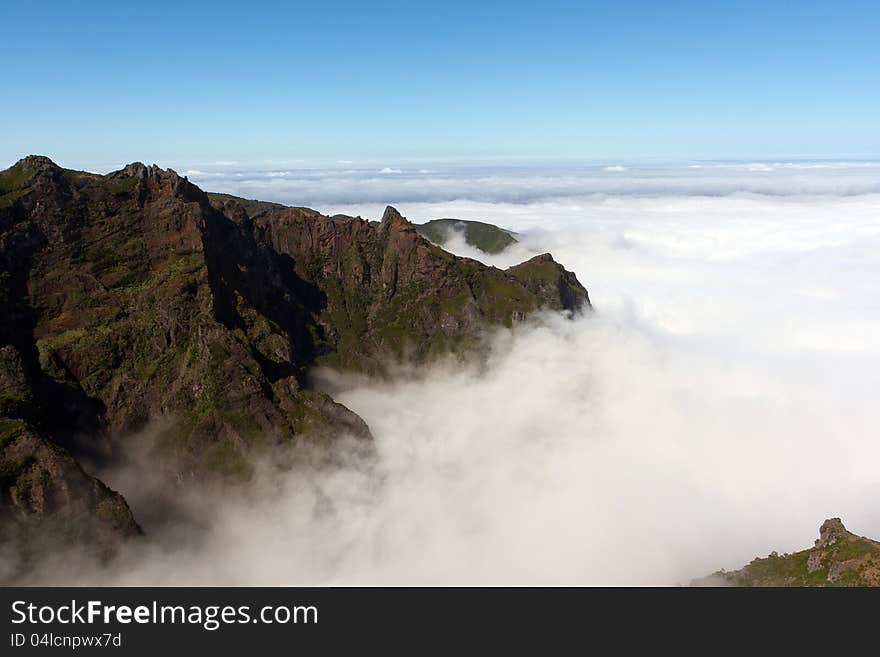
<point>134,297</point>
<point>838,558</point>
<point>831,530</point>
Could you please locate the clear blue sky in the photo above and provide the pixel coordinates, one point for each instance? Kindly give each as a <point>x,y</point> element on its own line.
<point>168,81</point>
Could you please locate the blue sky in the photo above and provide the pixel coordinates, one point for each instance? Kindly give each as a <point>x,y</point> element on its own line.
<point>91,82</point>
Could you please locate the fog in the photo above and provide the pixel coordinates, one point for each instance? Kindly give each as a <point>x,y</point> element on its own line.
<point>719,404</point>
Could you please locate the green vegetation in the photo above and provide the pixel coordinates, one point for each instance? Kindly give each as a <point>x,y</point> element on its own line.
<point>13,179</point>
<point>13,185</point>
<point>9,429</point>
<point>485,237</point>
<point>548,271</point>
<point>849,561</point>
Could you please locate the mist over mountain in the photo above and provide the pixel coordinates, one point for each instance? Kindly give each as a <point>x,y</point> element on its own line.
<point>135,300</point>
<point>715,406</point>
<point>488,238</point>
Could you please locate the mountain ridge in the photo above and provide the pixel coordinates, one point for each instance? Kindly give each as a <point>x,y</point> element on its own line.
<point>135,296</point>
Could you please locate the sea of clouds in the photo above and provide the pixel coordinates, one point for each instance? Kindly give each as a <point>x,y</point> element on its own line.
<point>351,183</point>
<point>718,404</point>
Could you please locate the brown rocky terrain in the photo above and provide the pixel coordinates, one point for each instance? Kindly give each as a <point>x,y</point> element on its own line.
<point>132,299</point>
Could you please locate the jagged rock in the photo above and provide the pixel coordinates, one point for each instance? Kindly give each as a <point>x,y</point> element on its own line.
<point>830,531</point>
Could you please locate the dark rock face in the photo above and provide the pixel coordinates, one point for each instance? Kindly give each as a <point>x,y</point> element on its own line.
<point>134,297</point>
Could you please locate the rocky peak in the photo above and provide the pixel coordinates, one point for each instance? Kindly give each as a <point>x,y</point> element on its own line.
<point>135,169</point>
<point>154,181</point>
<point>34,184</point>
<point>142,171</point>
<point>830,531</point>
<point>36,163</point>
<point>393,220</point>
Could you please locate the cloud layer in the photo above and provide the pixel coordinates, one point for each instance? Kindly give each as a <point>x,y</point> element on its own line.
<point>326,188</point>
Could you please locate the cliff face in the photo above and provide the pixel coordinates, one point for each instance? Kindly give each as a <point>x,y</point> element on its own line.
<point>131,297</point>
<point>390,292</point>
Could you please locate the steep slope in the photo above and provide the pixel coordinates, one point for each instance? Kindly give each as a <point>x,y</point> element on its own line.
<point>134,298</point>
<point>47,498</point>
<point>838,558</point>
<point>389,292</point>
<point>485,237</point>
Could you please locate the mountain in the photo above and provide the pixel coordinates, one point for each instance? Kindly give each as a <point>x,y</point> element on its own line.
<point>485,237</point>
<point>134,299</point>
<point>838,558</point>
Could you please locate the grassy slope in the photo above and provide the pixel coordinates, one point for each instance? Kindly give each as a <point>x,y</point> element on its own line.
<point>850,561</point>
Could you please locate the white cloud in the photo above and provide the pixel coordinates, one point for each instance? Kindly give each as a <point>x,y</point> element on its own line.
<point>614,168</point>
<point>327,188</point>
